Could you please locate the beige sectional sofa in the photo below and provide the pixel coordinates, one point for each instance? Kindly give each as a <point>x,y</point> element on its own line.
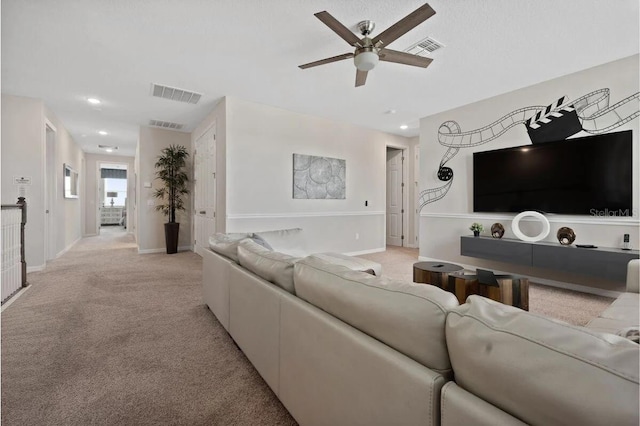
<point>344,347</point>
<point>624,313</point>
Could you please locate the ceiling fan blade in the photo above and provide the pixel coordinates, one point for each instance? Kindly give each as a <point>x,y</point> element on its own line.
<point>407,23</point>
<point>337,27</point>
<point>327,61</point>
<point>361,78</point>
<point>398,57</point>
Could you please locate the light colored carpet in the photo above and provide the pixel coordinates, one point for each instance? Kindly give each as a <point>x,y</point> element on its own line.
<point>566,305</point>
<point>109,337</point>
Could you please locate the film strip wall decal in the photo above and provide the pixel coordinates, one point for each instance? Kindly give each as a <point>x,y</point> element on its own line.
<point>559,120</point>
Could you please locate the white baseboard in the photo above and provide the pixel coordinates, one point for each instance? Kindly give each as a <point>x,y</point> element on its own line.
<point>68,248</point>
<point>36,268</point>
<point>164,250</point>
<point>544,281</point>
<point>359,253</point>
<point>14,297</point>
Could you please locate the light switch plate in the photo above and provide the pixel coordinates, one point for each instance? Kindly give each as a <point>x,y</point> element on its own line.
<point>147,184</point>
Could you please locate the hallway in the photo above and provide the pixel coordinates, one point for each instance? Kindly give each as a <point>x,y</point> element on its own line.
<point>107,336</point>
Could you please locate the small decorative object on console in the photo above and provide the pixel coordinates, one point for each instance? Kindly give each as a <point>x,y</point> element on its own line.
<point>515,226</point>
<point>477,228</point>
<point>497,230</point>
<point>566,236</point>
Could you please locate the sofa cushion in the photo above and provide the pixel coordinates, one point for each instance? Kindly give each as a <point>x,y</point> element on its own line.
<point>407,317</point>
<point>354,263</point>
<point>631,333</point>
<point>624,312</point>
<point>259,240</point>
<point>277,268</point>
<point>227,244</point>
<point>288,241</point>
<point>540,370</point>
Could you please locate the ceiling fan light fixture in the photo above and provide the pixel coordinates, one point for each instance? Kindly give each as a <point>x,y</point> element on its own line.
<point>366,61</point>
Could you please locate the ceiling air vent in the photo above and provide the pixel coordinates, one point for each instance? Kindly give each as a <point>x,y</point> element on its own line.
<point>107,147</point>
<point>175,94</point>
<point>166,124</point>
<point>424,47</point>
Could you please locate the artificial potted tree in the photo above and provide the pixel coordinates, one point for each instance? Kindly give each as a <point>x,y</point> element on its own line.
<point>171,171</point>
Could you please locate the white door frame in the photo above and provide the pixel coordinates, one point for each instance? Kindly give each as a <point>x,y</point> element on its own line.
<point>405,197</point>
<point>98,204</point>
<point>50,191</point>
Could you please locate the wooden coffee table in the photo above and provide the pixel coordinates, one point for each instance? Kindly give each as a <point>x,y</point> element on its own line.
<point>510,289</point>
<point>435,273</point>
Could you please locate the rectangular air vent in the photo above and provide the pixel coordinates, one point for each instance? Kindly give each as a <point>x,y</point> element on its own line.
<point>425,46</point>
<point>166,124</point>
<point>175,94</point>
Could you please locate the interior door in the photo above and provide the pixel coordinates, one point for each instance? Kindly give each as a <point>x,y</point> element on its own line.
<point>204,167</point>
<point>51,234</point>
<point>394,197</point>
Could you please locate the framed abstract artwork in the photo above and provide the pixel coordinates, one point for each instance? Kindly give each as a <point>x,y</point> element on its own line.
<point>319,177</point>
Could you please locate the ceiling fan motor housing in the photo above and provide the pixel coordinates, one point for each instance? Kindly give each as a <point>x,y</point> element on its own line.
<point>366,58</point>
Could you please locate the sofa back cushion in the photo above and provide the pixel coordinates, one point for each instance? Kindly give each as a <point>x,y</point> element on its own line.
<point>540,370</point>
<point>227,244</point>
<point>277,268</point>
<point>288,241</point>
<point>407,317</point>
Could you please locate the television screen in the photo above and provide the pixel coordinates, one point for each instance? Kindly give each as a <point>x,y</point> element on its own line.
<point>581,176</point>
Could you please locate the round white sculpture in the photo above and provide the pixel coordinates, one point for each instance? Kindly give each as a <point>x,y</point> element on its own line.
<point>515,226</point>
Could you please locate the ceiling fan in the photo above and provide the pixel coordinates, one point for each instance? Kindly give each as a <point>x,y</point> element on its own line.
<point>369,51</point>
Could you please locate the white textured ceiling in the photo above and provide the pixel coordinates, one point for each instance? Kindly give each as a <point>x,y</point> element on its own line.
<point>65,51</point>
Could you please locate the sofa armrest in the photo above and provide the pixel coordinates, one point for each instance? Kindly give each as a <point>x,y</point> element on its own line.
<point>633,276</point>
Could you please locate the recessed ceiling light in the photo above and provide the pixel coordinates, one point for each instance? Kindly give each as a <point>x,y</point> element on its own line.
<point>109,150</point>
<point>390,111</point>
<point>404,127</point>
<point>102,132</point>
<point>93,101</point>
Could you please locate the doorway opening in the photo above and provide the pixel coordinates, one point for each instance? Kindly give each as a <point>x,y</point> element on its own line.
<point>395,211</point>
<point>112,198</point>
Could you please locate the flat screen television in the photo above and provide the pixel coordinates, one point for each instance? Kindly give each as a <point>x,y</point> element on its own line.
<point>581,176</point>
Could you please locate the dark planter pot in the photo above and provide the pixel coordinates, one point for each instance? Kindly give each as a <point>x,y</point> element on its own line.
<point>171,231</point>
<point>476,233</point>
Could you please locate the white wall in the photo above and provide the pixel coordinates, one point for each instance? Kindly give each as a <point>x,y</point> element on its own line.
<point>91,193</point>
<point>69,211</point>
<point>443,222</point>
<point>260,143</point>
<point>23,154</point>
<point>151,222</point>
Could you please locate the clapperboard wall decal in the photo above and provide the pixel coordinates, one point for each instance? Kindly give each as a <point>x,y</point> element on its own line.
<point>556,122</point>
